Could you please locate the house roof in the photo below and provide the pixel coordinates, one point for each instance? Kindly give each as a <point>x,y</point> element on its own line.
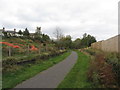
<point>9,31</point>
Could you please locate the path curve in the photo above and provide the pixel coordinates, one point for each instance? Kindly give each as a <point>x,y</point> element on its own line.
<point>51,77</point>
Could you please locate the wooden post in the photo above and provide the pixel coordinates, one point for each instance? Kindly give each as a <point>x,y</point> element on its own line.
<point>9,51</point>
<point>28,49</point>
<point>39,48</point>
<point>46,48</point>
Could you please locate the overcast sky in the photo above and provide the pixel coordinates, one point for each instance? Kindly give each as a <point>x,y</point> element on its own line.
<point>75,17</point>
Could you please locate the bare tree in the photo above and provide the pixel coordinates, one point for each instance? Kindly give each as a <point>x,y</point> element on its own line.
<point>58,33</point>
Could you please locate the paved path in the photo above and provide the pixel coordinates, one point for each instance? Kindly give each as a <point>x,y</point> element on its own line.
<point>51,77</point>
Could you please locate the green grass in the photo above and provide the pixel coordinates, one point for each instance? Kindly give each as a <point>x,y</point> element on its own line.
<point>11,79</point>
<point>77,77</point>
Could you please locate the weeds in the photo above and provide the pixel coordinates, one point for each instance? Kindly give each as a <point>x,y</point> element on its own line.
<point>101,73</point>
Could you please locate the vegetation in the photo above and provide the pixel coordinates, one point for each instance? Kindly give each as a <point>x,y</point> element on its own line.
<point>25,54</point>
<point>10,62</point>
<point>104,69</point>
<point>77,77</point>
<point>66,42</point>
<point>87,40</point>
<point>26,33</point>
<point>21,73</point>
<point>113,59</point>
<point>25,47</point>
<point>20,32</point>
<point>77,43</point>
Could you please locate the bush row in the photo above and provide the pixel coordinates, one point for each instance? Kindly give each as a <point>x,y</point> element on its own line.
<point>11,61</point>
<point>92,51</point>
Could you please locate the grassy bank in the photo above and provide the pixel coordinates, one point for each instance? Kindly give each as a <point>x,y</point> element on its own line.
<point>77,77</point>
<point>11,79</point>
<point>104,69</point>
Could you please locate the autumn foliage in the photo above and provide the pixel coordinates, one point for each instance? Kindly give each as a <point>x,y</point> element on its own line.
<point>10,44</point>
<point>17,45</point>
<point>33,48</point>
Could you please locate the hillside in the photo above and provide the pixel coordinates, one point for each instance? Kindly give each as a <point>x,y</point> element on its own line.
<point>21,46</point>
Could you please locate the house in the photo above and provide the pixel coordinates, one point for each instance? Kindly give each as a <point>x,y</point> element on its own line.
<point>32,35</point>
<point>14,33</point>
<point>8,32</point>
<point>37,32</point>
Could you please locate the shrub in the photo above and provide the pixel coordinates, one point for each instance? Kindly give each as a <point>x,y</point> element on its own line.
<point>90,51</point>
<point>9,63</point>
<point>96,79</point>
<point>114,60</point>
<point>44,56</point>
<point>100,73</point>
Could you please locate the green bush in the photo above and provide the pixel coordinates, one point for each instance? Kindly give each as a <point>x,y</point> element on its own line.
<point>44,56</point>
<point>90,51</point>
<point>9,63</point>
<point>114,60</point>
<point>96,79</point>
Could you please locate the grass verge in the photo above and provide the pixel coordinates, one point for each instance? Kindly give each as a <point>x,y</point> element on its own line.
<point>11,79</point>
<point>77,77</point>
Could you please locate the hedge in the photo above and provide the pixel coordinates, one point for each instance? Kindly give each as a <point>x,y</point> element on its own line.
<point>10,61</point>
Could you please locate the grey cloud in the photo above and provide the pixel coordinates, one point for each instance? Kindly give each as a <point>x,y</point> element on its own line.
<point>74,17</point>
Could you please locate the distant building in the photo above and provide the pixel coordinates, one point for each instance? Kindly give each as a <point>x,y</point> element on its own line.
<point>15,33</point>
<point>32,35</point>
<point>9,32</point>
<point>37,32</point>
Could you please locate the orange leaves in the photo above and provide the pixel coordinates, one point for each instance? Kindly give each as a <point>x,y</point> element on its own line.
<point>33,48</point>
<point>16,45</point>
<point>9,44</point>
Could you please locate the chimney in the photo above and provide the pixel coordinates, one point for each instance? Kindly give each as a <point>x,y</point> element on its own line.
<point>3,29</point>
<point>14,30</point>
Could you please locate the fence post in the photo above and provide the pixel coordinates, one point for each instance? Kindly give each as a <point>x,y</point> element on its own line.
<point>46,48</point>
<point>9,51</point>
<point>39,48</point>
<point>28,49</point>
